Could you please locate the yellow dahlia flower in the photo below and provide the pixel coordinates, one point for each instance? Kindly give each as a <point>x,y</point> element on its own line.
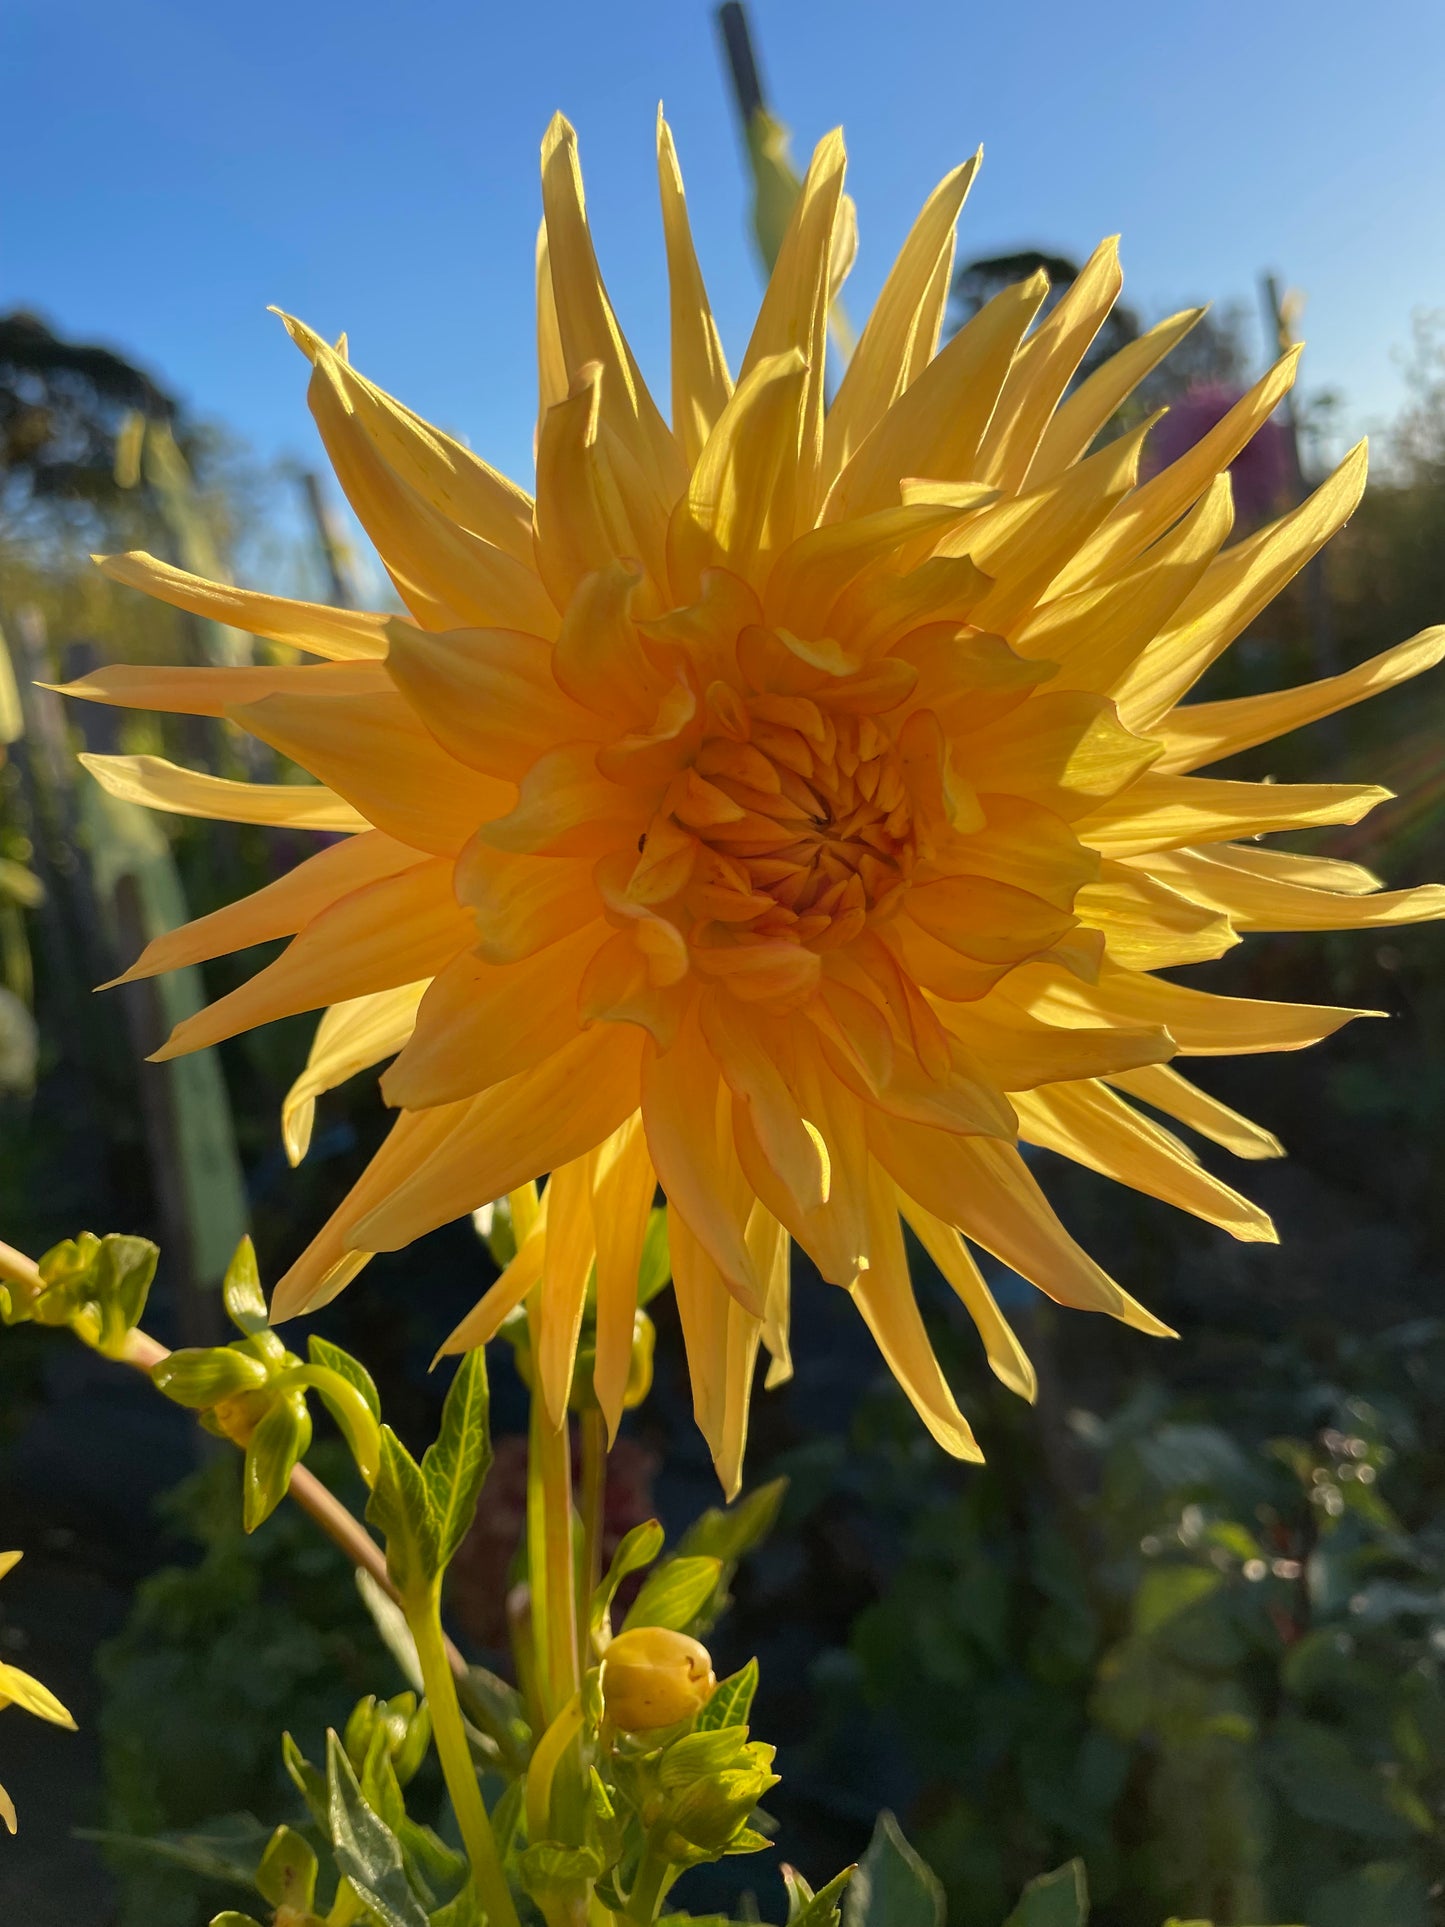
<point>789,805</point>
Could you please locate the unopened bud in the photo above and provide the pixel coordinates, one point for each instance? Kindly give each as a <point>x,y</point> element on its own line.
<point>654,1677</point>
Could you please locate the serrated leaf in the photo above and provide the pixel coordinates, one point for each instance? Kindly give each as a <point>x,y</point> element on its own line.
<point>637,1548</point>
<point>321,1352</point>
<point>367,1852</point>
<point>675,1594</point>
<point>287,1873</point>
<point>1058,1899</point>
<point>892,1887</point>
<point>272,1451</point>
<point>201,1376</point>
<point>731,1701</point>
<point>655,1269</point>
<point>455,1466</point>
<point>401,1511</point>
<point>241,1289</point>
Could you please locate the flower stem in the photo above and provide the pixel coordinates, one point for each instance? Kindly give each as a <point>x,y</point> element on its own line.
<point>654,1877</point>
<point>594,1491</point>
<point>549,1540</point>
<point>423,1615</point>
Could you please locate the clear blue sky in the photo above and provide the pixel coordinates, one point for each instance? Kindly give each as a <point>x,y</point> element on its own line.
<point>175,165</point>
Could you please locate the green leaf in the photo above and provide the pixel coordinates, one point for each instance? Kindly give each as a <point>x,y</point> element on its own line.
<point>401,1511</point>
<point>1166,1591</point>
<point>727,1533</point>
<point>271,1453</point>
<point>454,1468</point>
<point>731,1701</point>
<point>463,1910</point>
<point>287,1873</point>
<point>227,1849</point>
<point>96,1286</point>
<point>241,1290</point>
<point>367,1851</point>
<point>201,1376</point>
<point>892,1886</point>
<point>638,1548</point>
<point>1058,1899</point>
<point>390,1622</point>
<point>675,1594</point>
<point>656,1267</point>
<point>809,1909</point>
<point>321,1352</point>
<point>308,1781</point>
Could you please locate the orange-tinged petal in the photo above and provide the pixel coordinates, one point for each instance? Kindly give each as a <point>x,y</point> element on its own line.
<point>211,692</point>
<point>160,785</point>
<point>745,1053</point>
<point>567,1260</point>
<point>1163,812</point>
<point>1019,1051</point>
<point>1007,1359</point>
<point>350,1038</point>
<point>622,1198</point>
<point>341,634</point>
<point>523,903</point>
<point>502,1296</point>
<point>565,807</point>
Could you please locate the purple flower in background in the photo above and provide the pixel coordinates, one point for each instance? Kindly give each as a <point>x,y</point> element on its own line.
<point>1260,472</point>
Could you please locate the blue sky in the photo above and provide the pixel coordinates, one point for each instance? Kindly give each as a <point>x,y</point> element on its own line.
<point>173,168</point>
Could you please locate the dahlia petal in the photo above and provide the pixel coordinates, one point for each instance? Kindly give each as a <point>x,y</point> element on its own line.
<point>702,1300</point>
<point>373,751</point>
<point>1092,1126</point>
<point>985,1190</point>
<point>939,967</point>
<point>1097,634</point>
<point>487,695</point>
<point>581,525</point>
<point>342,634</point>
<point>1061,751</point>
<point>1159,503</point>
<point>743,1333</point>
<point>882,607</point>
<point>565,807</point>
<point>1165,1090</point>
<point>1027,846</point>
<point>1096,400</point>
<point>211,692</point>
<point>448,577</point>
<point>621,1203</point>
<point>457,483</point>
<point>901,334</point>
<point>990,923</point>
<point>1149,926</point>
<point>393,932</point>
<point>884,1295</point>
<point>280,909</point>
<point>693,1156</point>
<point>746,1054</point>
<point>552,382</point>
<point>1201,733</point>
<point>567,1260</point>
<point>701,383</point>
<point>587,327</point>
<point>1235,587</point>
<point>1255,902</point>
<point>598,658</point>
<point>1018,1053</point>
<point>1043,368</point>
<point>814,569</point>
<point>160,785</point>
<point>502,1296</point>
<point>332,1259</point>
<point>1163,812</point>
<point>512,1133</point>
<point>350,1038</point>
<point>1201,1023</point>
<point>768,1242</point>
<point>482,1022</point>
<point>523,903</point>
<point>1007,1359</point>
<point>1291,866</point>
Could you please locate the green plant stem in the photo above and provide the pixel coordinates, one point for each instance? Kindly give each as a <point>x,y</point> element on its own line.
<point>594,1492</point>
<point>654,1877</point>
<point>424,1618</point>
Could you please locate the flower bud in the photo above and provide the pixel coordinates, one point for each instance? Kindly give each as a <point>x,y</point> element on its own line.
<point>654,1677</point>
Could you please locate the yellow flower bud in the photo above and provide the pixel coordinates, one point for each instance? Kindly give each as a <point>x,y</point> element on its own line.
<point>654,1677</point>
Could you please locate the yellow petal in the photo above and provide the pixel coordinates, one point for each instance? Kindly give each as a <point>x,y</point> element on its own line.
<point>1148,926</point>
<point>902,332</point>
<point>211,692</point>
<point>7,1810</point>
<point>1165,1090</point>
<point>935,426</point>
<point>702,1300</point>
<point>621,1204</point>
<point>768,1242</point>
<point>567,1260</point>
<point>1091,1125</point>
<point>482,1022</point>
<point>1252,901</point>
<point>350,1038</point>
<point>1007,1359</point>
<point>811,572</point>
<point>342,634</point>
<point>373,751</point>
<point>1163,499</point>
<point>1162,812</point>
<point>1096,400</point>
<point>884,1295</point>
<point>701,383</point>
<point>552,383</point>
<point>1290,866</point>
<point>1201,733</point>
<point>565,807</point>
<point>390,933</point>
<point>740,1044</point>
<point>1235,587</point>
<point>523,903</point>
<point>502,1297</point>
<point>487,695</point>
<point>19,1689</point>
<point>160,785</point>
<point>1044,367</point>
<point>1061,751</point>
<point>1019,1052</point>
<point>280,909</point>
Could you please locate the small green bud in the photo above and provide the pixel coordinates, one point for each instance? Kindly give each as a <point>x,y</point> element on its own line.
<point>654,1677</point>
<point>201,1378</point>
